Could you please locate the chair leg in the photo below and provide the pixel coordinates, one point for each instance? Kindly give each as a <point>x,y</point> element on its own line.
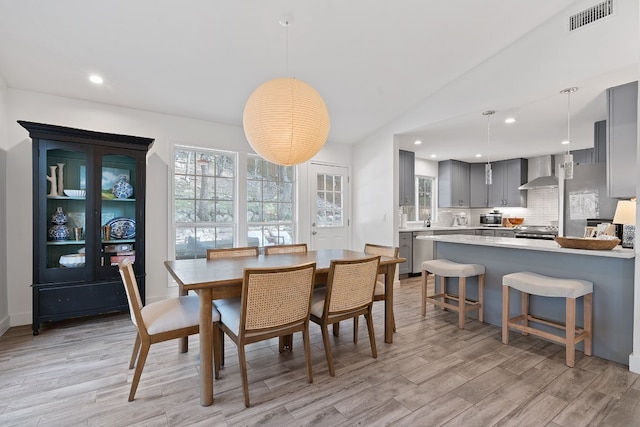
<point>136,349</point>
<point>144,351</point>
<point>372,337</point>
<point>425,278</point>
<point>221,348</point>
<point>336,329</point>
<point>443,286</point>
<point>587,321</point>
<point>525,310</point>
<point>355,329</point>
<point>217,339</point>
<point>462,298</point>
<point>505,314</point>
<point>243,372</point>
<point>481,297</point>
<point>570,339</point>
<point>307,351</point>
<point>327,349</point>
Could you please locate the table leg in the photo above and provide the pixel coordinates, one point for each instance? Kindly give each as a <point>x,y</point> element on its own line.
<point>183,343</point>
<point>286,343</point>
<point>388,303</point>
<point>206,348</point>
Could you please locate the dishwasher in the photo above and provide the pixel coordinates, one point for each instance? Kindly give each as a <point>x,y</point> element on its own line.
<point>422,250</point>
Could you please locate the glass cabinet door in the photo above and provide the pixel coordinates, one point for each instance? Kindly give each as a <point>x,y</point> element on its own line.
<point>63,223</point>
<point>117,223</point>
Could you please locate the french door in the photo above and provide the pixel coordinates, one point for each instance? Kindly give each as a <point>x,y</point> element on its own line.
<point>329,199</point>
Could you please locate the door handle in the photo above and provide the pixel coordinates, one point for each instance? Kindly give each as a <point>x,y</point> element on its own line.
<point>314,232</point>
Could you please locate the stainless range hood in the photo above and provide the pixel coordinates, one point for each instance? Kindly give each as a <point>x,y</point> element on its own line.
<point>542,170</point>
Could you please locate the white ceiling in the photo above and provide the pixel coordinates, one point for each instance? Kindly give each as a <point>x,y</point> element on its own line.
<point>419,68</point>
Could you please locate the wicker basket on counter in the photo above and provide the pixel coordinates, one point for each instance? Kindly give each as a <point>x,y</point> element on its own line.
<point>586,243</point>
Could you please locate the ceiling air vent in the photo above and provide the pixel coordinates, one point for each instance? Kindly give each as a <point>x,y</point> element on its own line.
<point>590,15</point>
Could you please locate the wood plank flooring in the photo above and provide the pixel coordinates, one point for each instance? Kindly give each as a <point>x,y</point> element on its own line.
<point>75,373</point>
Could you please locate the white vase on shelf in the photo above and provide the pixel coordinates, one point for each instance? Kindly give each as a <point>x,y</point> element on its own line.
<point>52,180</point>
<point>60,179</point>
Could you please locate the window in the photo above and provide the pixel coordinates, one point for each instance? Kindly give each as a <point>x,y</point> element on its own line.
<point>270,203</point>
<point>424,198</point>
<point>329,201</point>
<point>204,190</point>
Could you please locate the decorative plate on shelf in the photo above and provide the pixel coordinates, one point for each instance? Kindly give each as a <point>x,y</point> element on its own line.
<point>122,228</point>
<point>586,243</point>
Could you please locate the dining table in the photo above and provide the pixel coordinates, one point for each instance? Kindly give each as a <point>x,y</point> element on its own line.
<point>222,278</point>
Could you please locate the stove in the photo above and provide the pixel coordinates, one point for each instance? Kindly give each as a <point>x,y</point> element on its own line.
<point>543,232</point>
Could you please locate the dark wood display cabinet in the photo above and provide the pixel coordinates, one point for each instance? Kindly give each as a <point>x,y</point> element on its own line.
<point>88,214</point>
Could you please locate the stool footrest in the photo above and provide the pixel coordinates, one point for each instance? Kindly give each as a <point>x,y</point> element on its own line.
<point>469,304</point>
<point>514,323</point>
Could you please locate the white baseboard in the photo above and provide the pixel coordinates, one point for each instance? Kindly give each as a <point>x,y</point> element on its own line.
<point>19,319</point>
<point>634,363</point>
<point>4,325</point>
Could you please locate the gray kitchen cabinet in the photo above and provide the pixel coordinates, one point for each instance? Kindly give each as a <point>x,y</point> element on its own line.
<point>453,184</point>
<point>583,157</point>
<point>600,142</point>
<point>478,190</point>
<point>622,139</point>
<point>407,179</point>
<point>508,175</point>
<point>505,233</point>
<point>598,153</point>
<point>406,251</point>
<point>424,250</point>
<point>489,233</point>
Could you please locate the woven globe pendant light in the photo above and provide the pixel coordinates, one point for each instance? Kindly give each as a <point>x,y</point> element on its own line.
<point>286,121</point>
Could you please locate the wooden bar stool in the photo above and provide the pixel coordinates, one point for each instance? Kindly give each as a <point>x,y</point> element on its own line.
<point>536,284</point>
<point>445,268</point>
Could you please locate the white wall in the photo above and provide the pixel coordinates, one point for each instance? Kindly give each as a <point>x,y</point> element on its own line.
<point>166,130</point>
<point>375,191</point>
<point>4,303</point>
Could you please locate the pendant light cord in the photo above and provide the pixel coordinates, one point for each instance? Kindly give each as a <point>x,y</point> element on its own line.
<point>286,48</point>
<point>488,139</point>
<point>568,122</point>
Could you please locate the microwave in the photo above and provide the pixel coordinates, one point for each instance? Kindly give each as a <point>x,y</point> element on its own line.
<point>494,219</point>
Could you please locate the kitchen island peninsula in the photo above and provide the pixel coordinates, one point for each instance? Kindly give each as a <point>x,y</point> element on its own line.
<point>611,272</point>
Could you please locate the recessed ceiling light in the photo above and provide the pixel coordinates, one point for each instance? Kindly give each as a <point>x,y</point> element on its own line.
<point>509,120</point>
<point>417,142</point>
<point>94,78</point>
<point>478,155</point>
<point>565,142</point>
<point>433,156</point>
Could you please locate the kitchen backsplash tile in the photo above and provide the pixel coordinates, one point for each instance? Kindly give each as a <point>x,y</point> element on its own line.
<point>542,206</point>
<point>542,209</point>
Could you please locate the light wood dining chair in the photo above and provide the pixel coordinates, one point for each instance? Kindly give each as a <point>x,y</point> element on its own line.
<point>216,253</point>
<point>275,302</point>
<point>379,292</point>
<point>285,249</point>
<point>349,294</point>
<point>162,321</point>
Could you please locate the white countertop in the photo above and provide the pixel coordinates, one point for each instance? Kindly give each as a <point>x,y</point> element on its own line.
<point>527,244</point>
<point>411,228</point>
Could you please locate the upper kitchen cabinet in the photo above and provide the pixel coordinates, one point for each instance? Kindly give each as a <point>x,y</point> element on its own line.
<point>584,156</point>
<point>407,179</point>
<point>478,195</point>
<point>508,175</point>
<point>622,137</point>
<point>598,153</point>
<point>453,184</point>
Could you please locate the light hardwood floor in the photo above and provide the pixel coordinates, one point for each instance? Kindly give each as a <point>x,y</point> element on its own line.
<point>76,373</point>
